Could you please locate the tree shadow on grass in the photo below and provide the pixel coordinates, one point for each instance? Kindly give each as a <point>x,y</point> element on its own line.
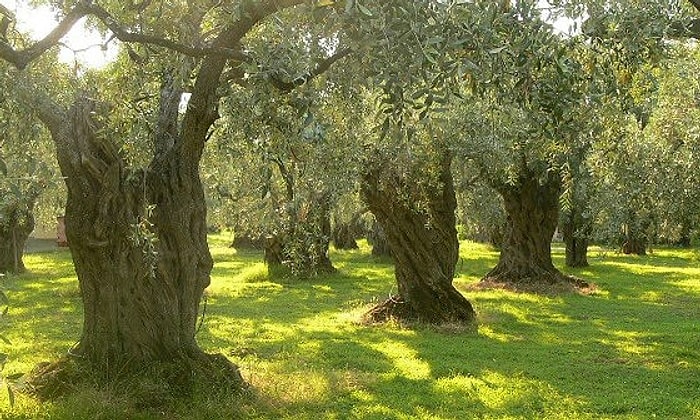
<point>609,356</point>
<point>631,350</point>
<point>616,353</point>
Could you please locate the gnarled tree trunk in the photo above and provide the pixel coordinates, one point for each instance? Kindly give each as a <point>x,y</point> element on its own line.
<point>424,245</point>
<point>532,215</point>
<point>138,241</point>
<point>139,246</point>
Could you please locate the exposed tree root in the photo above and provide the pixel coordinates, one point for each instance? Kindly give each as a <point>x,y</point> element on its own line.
<point>393,308</point>
<point>150,385</point>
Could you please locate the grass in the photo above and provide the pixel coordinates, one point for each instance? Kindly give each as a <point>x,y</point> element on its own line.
<point>629,351</point>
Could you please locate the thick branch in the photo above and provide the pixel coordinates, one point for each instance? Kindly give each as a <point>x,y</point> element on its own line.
<point>322,67</point>
<point>21,59</point>
<point>126,36</point>
<point>202,109</point>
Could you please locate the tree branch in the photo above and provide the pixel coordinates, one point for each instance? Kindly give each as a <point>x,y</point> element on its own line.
<point>322,67</point>
<point>202,109</point>
<point>130,37</point>
<point>22,58</point>
<point>696,4</point>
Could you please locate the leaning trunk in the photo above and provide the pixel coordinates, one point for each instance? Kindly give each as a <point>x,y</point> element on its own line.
<point>424,246</point>
<point>532,214</point>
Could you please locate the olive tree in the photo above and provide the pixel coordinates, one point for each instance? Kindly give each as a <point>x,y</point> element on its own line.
<point>138,234</point>
<point>27,168</point>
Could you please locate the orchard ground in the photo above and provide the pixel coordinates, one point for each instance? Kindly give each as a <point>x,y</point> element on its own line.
<point>629,350</point>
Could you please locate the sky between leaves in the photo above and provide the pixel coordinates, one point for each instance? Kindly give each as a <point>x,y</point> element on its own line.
<point>83,46</point>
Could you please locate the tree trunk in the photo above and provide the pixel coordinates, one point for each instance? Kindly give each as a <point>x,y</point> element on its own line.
<point>634,246</point>
<point>684,238</point>
<point>576,230</point>
<point>343,237</point>
<point>139,248</point>
<point>302,247</point>
<point>634,236</point>
<point>424,245</point>
<point>18,223</point>
<point>345,234</point>
<point>377,238</point>
<point>532,215</point>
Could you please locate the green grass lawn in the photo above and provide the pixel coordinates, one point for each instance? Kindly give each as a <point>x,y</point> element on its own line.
<point>631,350</point>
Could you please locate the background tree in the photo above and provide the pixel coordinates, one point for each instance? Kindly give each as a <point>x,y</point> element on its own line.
<point>27,168</point>
<point>519,132</point>
<point>673,131</point>
<point>303,156</point>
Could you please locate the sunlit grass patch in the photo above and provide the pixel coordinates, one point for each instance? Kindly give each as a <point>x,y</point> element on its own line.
<point>629,351</point>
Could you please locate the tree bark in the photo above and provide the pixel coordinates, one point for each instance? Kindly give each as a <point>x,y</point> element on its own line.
<point>424,245</point>
<point>532,211</point>
<point>18,223</point>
